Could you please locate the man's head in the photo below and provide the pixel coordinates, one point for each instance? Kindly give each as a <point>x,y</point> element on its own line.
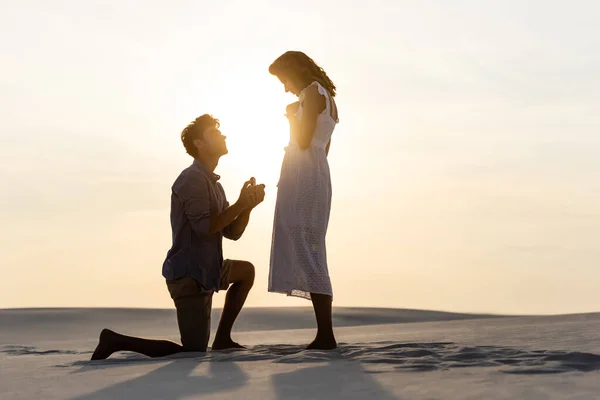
<point>202,138</point>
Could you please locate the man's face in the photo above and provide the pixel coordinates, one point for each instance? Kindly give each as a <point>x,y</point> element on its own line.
<point>213,142</point>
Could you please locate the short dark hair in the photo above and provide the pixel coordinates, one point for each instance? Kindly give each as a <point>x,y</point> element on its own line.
<point>195,130</point>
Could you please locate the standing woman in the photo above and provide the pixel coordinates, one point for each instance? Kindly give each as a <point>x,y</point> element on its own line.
<point>298,255</point>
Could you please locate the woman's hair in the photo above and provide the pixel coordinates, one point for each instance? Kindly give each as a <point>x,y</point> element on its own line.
<point>303,67</point>
<point>195,130</point>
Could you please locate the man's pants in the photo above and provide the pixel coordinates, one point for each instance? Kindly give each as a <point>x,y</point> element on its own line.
<point>194,305</point>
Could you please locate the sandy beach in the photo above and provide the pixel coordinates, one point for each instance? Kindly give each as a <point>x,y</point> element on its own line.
<point>383,354</point>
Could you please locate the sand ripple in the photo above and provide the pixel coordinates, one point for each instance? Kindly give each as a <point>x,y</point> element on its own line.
<point>380,357</point>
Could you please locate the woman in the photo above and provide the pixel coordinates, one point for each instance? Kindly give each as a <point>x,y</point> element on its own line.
<point>298,256</point>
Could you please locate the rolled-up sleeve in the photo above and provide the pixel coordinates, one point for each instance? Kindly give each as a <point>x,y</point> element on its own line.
<point>227,231</point>
<point>193,193</point>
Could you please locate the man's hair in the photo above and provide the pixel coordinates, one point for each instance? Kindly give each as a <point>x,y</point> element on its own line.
<point>195,130</point>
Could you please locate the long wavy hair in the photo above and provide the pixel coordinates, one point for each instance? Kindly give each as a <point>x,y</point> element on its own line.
<point>303,67</point>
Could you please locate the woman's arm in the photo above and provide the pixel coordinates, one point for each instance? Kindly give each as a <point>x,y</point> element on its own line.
<point>313,105</point>
<point>292,109</point>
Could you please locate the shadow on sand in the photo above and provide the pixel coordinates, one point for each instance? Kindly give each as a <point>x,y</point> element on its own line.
<point>171,381</point>
<point>343,373</point>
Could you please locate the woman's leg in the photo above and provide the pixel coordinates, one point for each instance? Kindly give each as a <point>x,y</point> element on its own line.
<point>325,340</point>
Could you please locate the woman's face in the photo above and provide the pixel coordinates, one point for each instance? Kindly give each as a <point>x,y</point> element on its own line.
<point>290,84</point>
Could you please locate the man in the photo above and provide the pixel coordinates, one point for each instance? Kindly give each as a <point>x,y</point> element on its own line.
<point>194,267</point>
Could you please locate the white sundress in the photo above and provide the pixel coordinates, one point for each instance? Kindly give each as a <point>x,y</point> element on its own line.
<point>298,264</point>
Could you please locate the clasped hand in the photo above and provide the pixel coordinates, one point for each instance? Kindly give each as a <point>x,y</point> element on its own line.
<point>251,194</point>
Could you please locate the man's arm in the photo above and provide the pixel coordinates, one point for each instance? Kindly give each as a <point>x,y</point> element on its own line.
<point>194,197</point>
<point>234,230</point>
<point>220,221</point>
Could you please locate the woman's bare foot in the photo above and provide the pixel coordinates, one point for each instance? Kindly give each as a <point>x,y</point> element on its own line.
<point>322,344</point>
<point>105,346</point>
<point>325,339</point>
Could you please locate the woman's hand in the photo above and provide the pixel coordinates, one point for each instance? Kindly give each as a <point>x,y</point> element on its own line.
<point>292,109</point>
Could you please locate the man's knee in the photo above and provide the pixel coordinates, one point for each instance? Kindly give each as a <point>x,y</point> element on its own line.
<point>249,272</point>
<point>193,306</point>
<point>242,272</point>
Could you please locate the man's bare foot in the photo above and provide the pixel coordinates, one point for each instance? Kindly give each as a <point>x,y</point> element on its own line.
<point>105,345</point>
<point>226,345</point>
<point>322,344</point>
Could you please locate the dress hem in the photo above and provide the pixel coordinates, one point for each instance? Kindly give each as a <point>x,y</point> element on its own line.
<point>300,293</point>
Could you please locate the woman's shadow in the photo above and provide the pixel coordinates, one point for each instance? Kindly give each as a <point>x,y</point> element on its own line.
<point>173,381</point>
<point>329,381</point>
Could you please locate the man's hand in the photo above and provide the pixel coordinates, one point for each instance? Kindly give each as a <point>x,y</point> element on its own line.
<point>250,196</point>
<point>258,196</point>
<point>247,194</point>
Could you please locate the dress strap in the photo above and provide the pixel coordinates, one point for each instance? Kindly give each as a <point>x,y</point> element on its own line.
<point>328,101</point>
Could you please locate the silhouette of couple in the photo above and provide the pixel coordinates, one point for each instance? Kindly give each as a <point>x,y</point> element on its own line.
<point>201,216</point>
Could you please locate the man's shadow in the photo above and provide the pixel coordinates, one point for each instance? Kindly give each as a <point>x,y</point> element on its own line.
<point>173,381</point>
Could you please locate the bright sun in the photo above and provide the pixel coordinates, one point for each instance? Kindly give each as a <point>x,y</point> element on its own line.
<point>250,104</point>
<point>257,133</point>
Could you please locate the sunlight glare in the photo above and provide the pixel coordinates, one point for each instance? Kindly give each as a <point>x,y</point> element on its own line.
<point>256,129</point>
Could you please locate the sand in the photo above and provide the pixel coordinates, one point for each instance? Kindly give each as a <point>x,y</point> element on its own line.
<point>383,354</point>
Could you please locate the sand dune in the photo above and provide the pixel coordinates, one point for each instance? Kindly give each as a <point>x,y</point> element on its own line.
<point>89,321</point>
<point>383,353</point>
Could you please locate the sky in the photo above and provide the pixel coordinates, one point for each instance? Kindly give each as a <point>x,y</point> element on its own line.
<point>465,167</point>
